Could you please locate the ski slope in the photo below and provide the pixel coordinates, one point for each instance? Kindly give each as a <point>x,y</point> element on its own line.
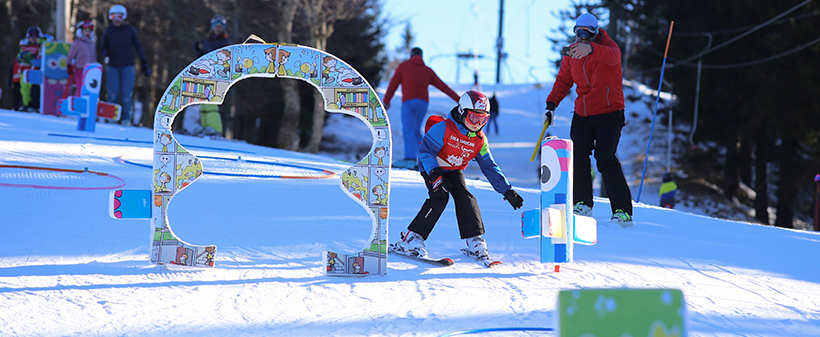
<point>68,269</point>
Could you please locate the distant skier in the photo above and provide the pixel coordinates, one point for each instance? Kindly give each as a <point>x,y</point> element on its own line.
<point>414,77</point>
<point>210,119</point>
<point>593,64</point>
<point>446,149</point>
<point>82,52</point>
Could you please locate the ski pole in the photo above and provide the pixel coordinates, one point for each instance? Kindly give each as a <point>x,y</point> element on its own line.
<point>655,113</point>
<point>538,143</point>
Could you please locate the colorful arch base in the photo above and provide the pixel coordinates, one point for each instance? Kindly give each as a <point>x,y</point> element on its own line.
<point>102,174</point>
<point>206,81</point>
<point>324,173</point>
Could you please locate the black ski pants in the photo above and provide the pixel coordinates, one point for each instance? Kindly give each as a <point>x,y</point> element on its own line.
<point>467,212</point>
<point>602,134</point>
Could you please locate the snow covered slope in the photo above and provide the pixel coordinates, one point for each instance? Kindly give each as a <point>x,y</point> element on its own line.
<point>67,268</point>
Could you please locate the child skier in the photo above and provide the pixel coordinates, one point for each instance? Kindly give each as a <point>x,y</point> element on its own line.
<point>82,52</point>
<point>446,149</point>
<point>27,96</point>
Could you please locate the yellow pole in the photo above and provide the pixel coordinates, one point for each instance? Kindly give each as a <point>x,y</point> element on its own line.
<point>540,138</point>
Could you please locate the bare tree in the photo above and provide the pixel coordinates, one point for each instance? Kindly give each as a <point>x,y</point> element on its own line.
<point>320,16</point>
<point>289,124</point>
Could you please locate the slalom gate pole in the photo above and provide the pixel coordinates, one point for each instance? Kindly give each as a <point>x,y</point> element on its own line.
<point>540,138</point>
<point>655,113</point>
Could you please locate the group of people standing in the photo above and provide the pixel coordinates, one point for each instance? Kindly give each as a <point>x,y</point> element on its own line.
<point>120,47</point>
<point>592,64</point>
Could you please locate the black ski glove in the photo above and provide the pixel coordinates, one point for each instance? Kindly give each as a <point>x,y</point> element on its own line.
<point>438,184</point>
<point>146,70</point>
<point>550,112</point>
<point>514,198</point>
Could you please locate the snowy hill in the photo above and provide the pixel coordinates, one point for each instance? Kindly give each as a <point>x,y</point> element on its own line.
<point>67,268</point>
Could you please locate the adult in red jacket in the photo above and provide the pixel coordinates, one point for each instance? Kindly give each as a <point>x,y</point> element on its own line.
<point>414,78</point>
<point>593,64</point>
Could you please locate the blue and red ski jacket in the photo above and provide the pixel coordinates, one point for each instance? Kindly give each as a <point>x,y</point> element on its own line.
<point>450,146</point>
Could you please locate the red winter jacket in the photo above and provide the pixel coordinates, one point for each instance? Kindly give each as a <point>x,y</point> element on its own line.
<point>597,76</point>
<point>414,78</point>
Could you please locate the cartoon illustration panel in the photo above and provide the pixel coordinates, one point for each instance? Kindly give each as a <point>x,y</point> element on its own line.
<point>355,100</point>
<point>188,168</point>
<point>215,65</point>
<point>379,186</point>
<point>336,73</point>
<point>381,152</point>
<point>254,59</point>
<point>356,181</point>
<point>298,62</point>
<point>375,112</point>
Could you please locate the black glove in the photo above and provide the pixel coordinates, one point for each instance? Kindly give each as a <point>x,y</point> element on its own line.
<point>145,69</point>
<point>438,184</point>
<point>550,112</point>
<point>514,198</point>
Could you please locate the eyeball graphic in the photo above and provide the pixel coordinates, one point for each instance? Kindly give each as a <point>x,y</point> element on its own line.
<point>550,168</point>
<point>165,159</point>
<point>53,63</point>
<point>92,80</point>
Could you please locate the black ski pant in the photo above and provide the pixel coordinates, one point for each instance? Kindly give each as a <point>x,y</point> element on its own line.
<point>467,212</point>
<point>602,134</point>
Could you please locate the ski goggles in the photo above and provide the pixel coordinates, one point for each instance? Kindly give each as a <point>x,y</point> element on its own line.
<point>113,16</point>
<point>477,117</point>
<point>86,24</point>
<point>586,32</point>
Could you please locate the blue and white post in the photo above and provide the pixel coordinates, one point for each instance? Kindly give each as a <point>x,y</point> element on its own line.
<point>554,223</point>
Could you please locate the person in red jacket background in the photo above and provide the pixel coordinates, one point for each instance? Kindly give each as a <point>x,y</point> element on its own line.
<point>414,78</point>
<point>593,64</point>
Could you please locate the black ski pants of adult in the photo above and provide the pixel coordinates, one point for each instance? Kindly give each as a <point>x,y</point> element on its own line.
<point>602,134</point>
<point>467,212</point>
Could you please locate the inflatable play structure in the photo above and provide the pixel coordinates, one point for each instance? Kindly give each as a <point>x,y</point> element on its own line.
<point>205,81</point>
<point>554,223</point>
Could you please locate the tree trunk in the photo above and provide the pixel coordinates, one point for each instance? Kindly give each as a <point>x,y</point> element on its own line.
<point>762,177</point>
<point>320,34</point>
<point>289,124</point>
<point>786,187</point>
<point>745,162</point>
<point>730,182</point>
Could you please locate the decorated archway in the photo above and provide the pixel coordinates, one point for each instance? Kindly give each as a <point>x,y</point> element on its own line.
<point>206,80</point>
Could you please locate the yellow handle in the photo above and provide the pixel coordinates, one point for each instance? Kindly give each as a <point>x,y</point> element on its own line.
<point>538,143</point>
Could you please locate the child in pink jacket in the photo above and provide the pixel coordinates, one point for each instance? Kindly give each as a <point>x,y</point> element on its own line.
<point>83,51</point>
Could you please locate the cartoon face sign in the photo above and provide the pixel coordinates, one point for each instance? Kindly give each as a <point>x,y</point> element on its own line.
<point>56,65</point>
<point>92,78</point>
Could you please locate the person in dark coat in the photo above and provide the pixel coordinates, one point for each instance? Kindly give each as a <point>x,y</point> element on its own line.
<point>120,42</point>
<point>494,109</point>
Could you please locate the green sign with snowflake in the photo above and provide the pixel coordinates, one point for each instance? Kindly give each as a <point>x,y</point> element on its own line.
<point>621,313</point>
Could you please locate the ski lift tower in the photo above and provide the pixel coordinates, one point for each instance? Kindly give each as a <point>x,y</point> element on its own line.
<point>465,57</point>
